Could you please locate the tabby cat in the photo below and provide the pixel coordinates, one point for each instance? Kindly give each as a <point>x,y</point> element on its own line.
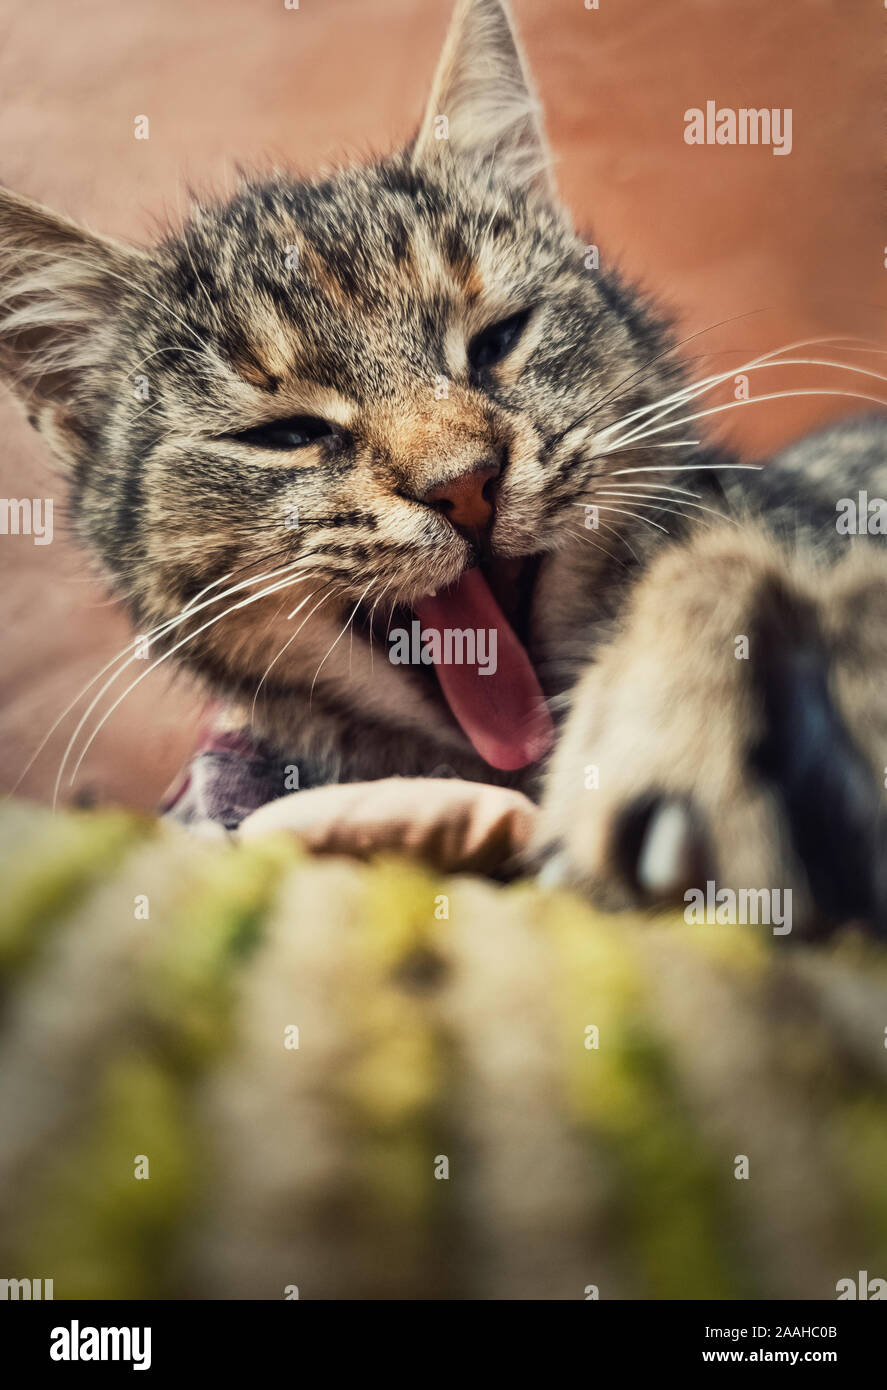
<point>397,400</point>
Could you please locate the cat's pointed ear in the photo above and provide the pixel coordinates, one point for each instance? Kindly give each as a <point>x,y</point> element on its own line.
<point>483,107</point>
<point>59,288</point>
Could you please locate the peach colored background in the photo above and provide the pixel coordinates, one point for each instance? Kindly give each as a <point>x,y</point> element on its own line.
<point>715,232</point>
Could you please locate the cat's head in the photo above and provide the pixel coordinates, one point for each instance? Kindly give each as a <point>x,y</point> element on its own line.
<point>369,378</point>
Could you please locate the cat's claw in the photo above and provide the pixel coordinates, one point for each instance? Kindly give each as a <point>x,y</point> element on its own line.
<point>669,851</point>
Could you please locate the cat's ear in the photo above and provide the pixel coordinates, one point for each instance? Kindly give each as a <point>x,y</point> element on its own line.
<point>59,288</point>
<point>483,107</point>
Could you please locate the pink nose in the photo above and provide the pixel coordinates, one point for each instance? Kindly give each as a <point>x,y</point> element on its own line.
<point>467,500</point>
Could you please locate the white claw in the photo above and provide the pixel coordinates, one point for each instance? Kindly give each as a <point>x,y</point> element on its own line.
<point>553,873</point>
<point>665,863</point>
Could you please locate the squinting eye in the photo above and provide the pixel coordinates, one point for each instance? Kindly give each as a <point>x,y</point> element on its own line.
<point>295,433</point>
<point>494,343</point>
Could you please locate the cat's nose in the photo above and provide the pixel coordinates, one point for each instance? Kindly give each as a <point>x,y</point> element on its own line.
<point>466,500</point>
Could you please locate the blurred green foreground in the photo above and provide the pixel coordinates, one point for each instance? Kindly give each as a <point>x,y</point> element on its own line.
<point>239,1072</point>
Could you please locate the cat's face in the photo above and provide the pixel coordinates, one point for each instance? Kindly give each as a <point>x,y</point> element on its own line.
<point>303,372</point>
<point>364,384</point>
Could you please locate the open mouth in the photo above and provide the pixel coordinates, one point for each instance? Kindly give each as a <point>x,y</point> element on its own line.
<point>473,636</point>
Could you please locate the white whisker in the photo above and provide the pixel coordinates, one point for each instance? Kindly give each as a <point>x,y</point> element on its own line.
<point>583,533</point>
<point>673,444</point>
<point>338,639</point>
<point>370,624</point>
<point>663,487</point>
<point>174,622</point>
<point>677,501</point>
<point>622,538</point>
<point>690,468</point>
<point>693,390</point>
<point>280,653</point>
<point>97,677</point>
<point>623,512</point>
<point>757,400</point>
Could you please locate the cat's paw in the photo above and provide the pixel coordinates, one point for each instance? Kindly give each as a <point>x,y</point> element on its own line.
<point>723,742</point>
<point>450,824</point>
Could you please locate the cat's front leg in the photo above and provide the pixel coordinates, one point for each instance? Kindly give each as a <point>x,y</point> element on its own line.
<point>728,738</point>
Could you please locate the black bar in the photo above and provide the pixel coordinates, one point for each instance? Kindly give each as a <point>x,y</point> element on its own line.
<point>233,1338</point>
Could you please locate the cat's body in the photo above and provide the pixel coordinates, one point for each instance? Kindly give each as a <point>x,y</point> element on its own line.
<point>327,409</point>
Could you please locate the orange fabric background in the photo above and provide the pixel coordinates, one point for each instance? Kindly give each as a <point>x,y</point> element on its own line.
<point>714,232</point>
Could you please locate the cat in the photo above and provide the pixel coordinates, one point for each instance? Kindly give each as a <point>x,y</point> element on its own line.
<point>395,398</point>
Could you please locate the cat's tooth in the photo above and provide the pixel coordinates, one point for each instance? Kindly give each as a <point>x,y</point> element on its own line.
<point>665,863</point>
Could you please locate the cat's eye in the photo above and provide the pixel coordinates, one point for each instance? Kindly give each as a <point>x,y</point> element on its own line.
<point>295,433</point>
<point>490,346</point>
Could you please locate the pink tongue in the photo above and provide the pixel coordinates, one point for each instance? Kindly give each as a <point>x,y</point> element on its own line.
<point>504,712</point>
